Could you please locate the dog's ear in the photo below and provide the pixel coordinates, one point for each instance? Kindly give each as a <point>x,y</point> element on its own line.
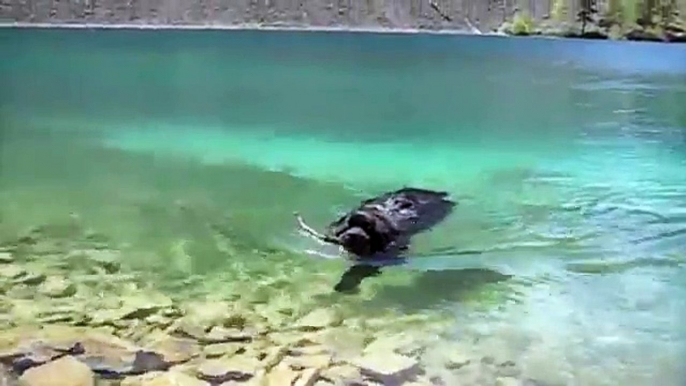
<point>362,220</point>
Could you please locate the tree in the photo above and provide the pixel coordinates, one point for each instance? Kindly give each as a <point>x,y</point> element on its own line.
<point>588,8</point>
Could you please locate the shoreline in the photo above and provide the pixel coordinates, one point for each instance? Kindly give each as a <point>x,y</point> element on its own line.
<point>245,27</point>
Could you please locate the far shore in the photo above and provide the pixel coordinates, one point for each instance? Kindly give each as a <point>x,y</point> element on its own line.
<point>247,26</point>
<point>303,28</point>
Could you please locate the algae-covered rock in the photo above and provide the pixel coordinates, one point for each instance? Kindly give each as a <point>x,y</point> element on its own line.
<point>31,352</point>
<point>319,319</point>
<point>6,258</point>
<point>456,359</point>
<point>25,311</point>
<point>397,343</point>
<point>30,278</point>
<point>508,381</point>
<point>342,374</point>
<point>387,367</point>
<point>222,349</point>
<point>174,349</point>
<point>65,371</point>
<point>11,271</point>
<point>61,313</point>
<point>106,259</point>
<point>202,316</point>
<point>138,306</point>
<point>157,378</point>
<point>303,362</point>
<point>281,375</point>
<point>347,343</point>
<point>273,357</point>
<point>238,368</point>
<point>56,287</point>
<point>223,334</point>
<point>292,338</point>
<point>507,369</point>
<point>308,377</point>
<point>101,352</point>
<point>142,306</point>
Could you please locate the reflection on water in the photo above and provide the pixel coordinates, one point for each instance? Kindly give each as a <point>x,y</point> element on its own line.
<point>190,153</point>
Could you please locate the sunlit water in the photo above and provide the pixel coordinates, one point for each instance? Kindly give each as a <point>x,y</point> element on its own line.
<point>568,159</point>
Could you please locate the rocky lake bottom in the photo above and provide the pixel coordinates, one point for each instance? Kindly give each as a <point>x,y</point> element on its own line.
<point>70,310</point>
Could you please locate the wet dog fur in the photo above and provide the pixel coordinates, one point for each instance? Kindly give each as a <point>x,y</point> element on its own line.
<point>381,228</point>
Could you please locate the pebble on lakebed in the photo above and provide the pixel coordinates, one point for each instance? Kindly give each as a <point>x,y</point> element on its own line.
<point>65,335</point>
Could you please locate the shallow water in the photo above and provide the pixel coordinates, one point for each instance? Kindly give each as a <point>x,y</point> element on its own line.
<point>568,159</point>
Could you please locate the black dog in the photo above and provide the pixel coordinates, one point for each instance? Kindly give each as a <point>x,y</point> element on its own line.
<point>380,229</point>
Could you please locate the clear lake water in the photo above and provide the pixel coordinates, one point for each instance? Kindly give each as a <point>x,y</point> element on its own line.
<point>567,159</point>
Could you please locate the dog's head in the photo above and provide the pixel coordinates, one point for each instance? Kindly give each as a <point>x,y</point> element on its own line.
<point>357,241</point>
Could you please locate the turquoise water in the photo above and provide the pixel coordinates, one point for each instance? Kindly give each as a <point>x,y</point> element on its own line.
<point>568,159</point>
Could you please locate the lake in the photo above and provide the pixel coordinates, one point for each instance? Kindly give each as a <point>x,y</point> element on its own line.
<point>189,151</point>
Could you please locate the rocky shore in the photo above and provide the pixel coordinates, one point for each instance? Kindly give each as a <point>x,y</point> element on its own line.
<point>72,314</point>
<point>671,33</point>
<point>540,18</point>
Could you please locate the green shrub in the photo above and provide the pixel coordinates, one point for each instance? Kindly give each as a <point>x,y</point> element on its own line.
<point>522,24</point>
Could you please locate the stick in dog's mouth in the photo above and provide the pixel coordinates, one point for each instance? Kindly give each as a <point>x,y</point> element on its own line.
<point>310,231</point>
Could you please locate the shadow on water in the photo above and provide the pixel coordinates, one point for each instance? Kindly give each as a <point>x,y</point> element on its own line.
<point>433,288</point>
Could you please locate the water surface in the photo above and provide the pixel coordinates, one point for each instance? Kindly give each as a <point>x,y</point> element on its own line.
<point>568,159</point>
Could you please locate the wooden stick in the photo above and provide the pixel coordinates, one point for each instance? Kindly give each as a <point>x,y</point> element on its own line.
<point>309,230</point>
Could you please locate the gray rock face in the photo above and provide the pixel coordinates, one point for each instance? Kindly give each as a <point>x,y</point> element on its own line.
<point>485,15</point>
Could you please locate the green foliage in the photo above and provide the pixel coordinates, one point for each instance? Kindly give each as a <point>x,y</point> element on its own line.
<point>612,17</point>
<point>588,8</point>
<point>523,24</point>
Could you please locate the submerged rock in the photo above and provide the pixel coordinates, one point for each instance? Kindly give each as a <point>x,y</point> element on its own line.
<point>32,353</point>
<point>174,349</point>
<point>397,343</point>
<point>292,339</point>
<point>508,369</point>
<point>508,381</point>
<point>30,278</point>
<point>309,361</point>
<point>143,362</point>
<point>11,271</point>
<point>308,377</point>
<point>456,359</point>
<point>56,287</point>
<point>388,367</point>
<point>172,378</point>
<point>341,374</point>
<point>106,259</point>
<point>104,354</point>
<point>238,368</point>
<point>319,319</point>
<point>222,349</point>
<point>6,258</point>
<point>65,371</point>
<point>132,307</point>
<point>222,334</point>
<point>281,375</point>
